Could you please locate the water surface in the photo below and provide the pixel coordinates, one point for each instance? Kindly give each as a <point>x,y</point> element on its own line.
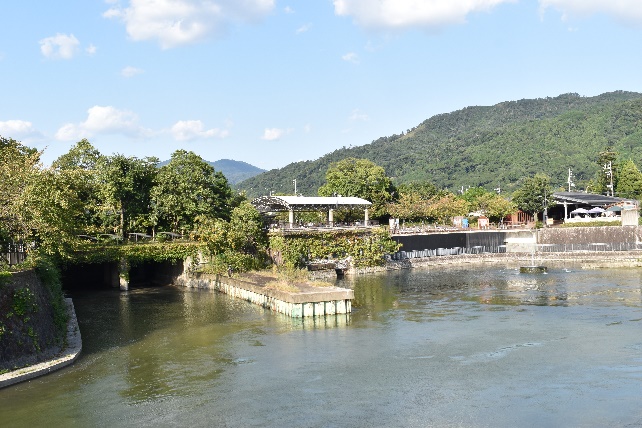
<point>447,347</point>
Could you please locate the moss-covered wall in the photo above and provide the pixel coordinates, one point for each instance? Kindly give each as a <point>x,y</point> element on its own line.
<point>29,328</point>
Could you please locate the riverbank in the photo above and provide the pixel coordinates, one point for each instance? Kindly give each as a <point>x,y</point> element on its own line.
<point>584,260</point>
<point>62,359</point>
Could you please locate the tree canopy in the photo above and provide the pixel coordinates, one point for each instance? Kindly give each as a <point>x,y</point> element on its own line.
<point>188,187</point>
<point>534,194</point>
<point>361,178</point>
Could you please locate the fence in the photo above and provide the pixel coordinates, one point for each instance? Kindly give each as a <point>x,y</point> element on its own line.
<point>541,248</point>
<point>13,253</point>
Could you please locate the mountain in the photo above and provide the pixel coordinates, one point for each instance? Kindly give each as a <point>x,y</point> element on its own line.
<point>489,146</point>
<point>234,171</point>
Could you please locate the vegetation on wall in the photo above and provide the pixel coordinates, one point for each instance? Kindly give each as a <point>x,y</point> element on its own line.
<point>364,249</point>
<point>33,317</point>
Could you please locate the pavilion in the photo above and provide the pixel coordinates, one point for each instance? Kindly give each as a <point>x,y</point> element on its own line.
<point>581,200</point>
<point>266,204</point>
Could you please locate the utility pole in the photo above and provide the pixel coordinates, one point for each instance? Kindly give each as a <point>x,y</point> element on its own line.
<point>294,181</point>
<point>570,179</point>
<point>608,170</point>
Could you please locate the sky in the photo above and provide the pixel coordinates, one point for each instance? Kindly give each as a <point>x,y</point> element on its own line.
<point>271,82</point>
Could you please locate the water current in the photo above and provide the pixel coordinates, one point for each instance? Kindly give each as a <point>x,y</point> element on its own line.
<point>436,347</point>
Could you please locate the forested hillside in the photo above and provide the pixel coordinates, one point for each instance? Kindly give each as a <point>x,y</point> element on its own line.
<point>234,171</point>
<point>490,146</point>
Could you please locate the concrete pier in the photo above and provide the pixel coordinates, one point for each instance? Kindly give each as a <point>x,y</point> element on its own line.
<point>309,301</point>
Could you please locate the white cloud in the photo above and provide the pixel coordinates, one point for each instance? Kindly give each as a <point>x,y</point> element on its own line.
<point>103,120</point>
<point>629,11</point>
<point>288,9</point>
<point>130,71</point>
<point>20,130</point>
<point>351,57</point>
<point>189,130</point>
<point>303,28</point>
<point>178,22</point>
<point>272,134</point>
<point>358,115</point>
<point>60,46</point>
<point>402,14</point>
<point>91,49</point>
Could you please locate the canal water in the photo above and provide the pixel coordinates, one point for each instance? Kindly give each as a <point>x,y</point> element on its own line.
<point>447,347</point>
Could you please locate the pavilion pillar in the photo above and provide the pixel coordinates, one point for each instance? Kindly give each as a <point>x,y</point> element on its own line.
<point>365,217</point>
<point>291,218</point>
<point>565,211</point>
<point>331,217</point>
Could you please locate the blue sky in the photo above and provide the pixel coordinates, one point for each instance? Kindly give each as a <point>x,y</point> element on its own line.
<point>271,82</point>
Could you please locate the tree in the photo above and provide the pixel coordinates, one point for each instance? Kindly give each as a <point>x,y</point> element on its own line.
<point>444,208</point>
<point>607,161</point>
<point>125,184</point>
<point>495,206</point>
<point>361,178</point>
<point>82,156</point>
<point>79,164</point>
<point>188,187</point>
<point>51,206</point>
<point>629,184</point>
<point>37,204</point>
<point>17,165</point>
<point>239,244</point>
<point>489,203</point>
<point>534,194</point>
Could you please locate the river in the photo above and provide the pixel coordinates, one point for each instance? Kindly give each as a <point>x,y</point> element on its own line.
<point>424,347</point>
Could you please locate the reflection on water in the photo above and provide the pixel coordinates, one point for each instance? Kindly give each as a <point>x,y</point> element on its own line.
<point>439,347</point>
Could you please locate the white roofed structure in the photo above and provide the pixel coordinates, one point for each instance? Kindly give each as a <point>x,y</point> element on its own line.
<point>307,203</point>
<point>292,204</point>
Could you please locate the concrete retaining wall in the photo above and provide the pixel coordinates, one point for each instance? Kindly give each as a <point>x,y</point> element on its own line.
<point>315,303</point>
<point>65,358</point>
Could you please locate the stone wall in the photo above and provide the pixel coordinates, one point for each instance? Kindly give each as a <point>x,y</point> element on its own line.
<point>589,235</point>
<point>27,330</point>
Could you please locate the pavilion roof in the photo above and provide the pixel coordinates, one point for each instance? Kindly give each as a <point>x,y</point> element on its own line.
<point>585,198</point>
<point>307,203</point>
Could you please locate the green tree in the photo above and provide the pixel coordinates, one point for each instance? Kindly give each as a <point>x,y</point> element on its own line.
<point>51,206</point>
<point>533,194</point>
<point>629,183</point>
<point>81,156</point>
<point>495,206</point>
<point>444,208</point>
<point>125,184</point>
<point>188,187</point>
<point>239,244</point>
<point>361,178</point>
<point>79,164</point>
<point>602,182</point>
<point>18,163</point>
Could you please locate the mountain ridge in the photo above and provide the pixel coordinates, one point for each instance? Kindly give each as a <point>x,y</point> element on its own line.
<point>488,146</point>
<point>235,171</point>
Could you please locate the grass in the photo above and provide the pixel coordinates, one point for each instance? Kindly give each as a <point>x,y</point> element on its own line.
<point>286,279</point>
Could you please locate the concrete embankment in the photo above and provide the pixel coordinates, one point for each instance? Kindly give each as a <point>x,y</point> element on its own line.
<point>66,357</point>
<point>584,260</point>
<point>308,301</point>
